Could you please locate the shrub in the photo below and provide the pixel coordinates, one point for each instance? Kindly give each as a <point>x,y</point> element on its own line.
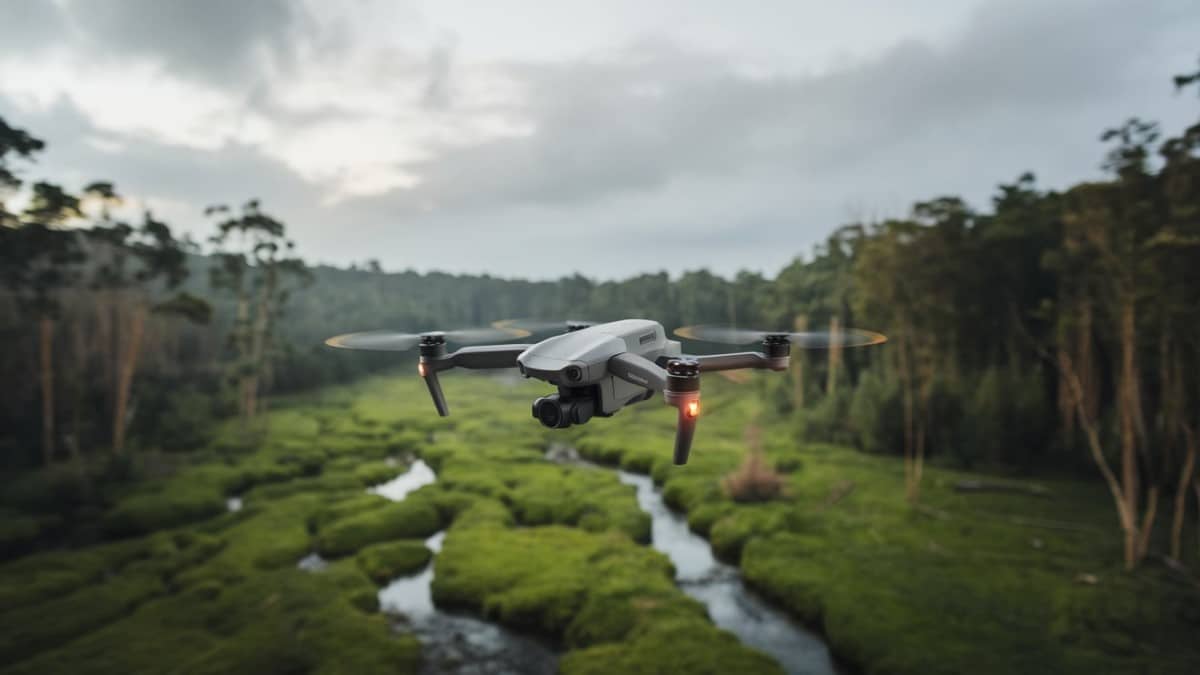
<point>754,480</point>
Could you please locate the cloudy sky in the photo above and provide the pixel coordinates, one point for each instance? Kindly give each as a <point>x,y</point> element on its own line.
<point>543,138</point>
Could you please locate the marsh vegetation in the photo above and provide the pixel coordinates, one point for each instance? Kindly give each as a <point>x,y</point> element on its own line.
<point>558,553</point>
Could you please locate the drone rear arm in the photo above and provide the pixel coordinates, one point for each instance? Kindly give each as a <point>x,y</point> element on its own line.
<point>740,360</point>
<point>483,357</point>
<point>474,358</point>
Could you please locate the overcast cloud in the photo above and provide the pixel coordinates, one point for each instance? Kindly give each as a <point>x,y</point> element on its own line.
<point>604,138</point>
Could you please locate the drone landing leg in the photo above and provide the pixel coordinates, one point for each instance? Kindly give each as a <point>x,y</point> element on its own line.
<point>435,391</point>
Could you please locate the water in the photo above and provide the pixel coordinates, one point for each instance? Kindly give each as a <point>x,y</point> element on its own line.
<point>731,605</point>
<point>312,562</point>
<point>418,475</point>
<point>453,643</point>
<point>233,504</point>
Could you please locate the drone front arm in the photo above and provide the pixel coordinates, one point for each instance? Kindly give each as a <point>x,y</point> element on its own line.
<point>638,370</point>
<point>741,360</point>
<point>680,384</point>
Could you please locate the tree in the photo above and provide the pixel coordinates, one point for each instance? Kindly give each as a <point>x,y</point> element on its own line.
<point>252,263</point>
<point>41,260</point>
<point>138,269</point>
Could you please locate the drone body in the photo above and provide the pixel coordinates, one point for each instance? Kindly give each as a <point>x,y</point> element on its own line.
<point>599,369</point>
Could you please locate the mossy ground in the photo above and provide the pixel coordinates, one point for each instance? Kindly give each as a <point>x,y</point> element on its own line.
<point>159,578</point>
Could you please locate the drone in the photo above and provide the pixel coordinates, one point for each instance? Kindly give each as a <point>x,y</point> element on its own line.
<point>600,368</point>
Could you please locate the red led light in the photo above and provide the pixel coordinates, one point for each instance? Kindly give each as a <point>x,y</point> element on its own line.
<point>693,408</point>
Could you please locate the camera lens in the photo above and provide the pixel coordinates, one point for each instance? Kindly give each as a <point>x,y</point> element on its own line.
<point>549,412</point>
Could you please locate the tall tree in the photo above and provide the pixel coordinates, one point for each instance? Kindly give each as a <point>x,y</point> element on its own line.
<point>142,268</point>
<point>254,264</point>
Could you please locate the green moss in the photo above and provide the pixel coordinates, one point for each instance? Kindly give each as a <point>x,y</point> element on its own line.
<point>28,630</point>
<point>677,646</point>
<point>410,518</point>
<point>588,589</point>
<point>730,533</point>
<point>149,512</point>
<point>373,473</point>
<point>384,562</point>
<point>285,621</point>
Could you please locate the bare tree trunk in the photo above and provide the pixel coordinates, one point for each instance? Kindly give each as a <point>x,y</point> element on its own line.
<point>129,358</point>
<point>801,324</point>
<point>1126,515</point>
<point>1196,488</point>
<point>1086,368</point>
<point>46,355</point>
<point>1185,478</point>
<point>909,434</point>
<point>1147,527</point>
<point>1127,411</point>
<point>262,317</point>
<point>835,355</point>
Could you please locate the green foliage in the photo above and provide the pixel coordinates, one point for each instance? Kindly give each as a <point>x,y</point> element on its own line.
<point>1009,419</point>
<point>413,517</point>
<point>611,600</point>
<point>144,513</point>
<point>876,411</point>
<point>384,562</point>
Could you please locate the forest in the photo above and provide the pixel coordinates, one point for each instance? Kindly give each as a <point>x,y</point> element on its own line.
<point>1047,340</point>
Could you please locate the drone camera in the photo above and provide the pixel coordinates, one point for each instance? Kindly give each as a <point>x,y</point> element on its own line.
<point>558,412</point>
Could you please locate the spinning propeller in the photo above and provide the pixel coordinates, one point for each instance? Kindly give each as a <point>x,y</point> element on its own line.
<point>849,337</point>
<point>395,341</point>
<point>432,347</point>
<point>530,326</point>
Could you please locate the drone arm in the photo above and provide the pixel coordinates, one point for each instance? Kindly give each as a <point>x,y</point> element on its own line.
<point>638,370</point>
<point>486,357</point>
<point>741,360</point>
<point>490,356</point>
<point>680,384</point>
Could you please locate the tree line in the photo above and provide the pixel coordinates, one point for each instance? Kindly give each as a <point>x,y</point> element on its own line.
<point>1055,330</point>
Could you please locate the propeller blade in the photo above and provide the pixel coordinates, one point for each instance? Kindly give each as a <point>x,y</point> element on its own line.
<point>375,340</point>
<point>394,341</point>
<point>530,326</point>
<point>468,336</point>
<point>850,337</point>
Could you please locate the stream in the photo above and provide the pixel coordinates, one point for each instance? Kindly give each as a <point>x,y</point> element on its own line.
<point>467,645</point>
<point>731,605</point>
<point>453,643</point>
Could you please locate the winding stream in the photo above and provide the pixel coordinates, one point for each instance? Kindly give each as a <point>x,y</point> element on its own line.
<point>453,643</point>
<point>731,605</point>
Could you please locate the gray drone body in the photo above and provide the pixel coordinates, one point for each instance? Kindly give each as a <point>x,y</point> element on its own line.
<point>579,360</point>
<point>598,369</point>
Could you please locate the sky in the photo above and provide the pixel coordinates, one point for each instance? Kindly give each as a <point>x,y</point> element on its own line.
<point>539,139</point>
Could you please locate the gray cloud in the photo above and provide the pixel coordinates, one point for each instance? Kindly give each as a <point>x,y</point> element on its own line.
<point>29,25</point>
<point>215,40</point>
<point>663,157</point>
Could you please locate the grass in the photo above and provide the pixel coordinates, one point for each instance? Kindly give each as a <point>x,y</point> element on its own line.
<point>161,579</point>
